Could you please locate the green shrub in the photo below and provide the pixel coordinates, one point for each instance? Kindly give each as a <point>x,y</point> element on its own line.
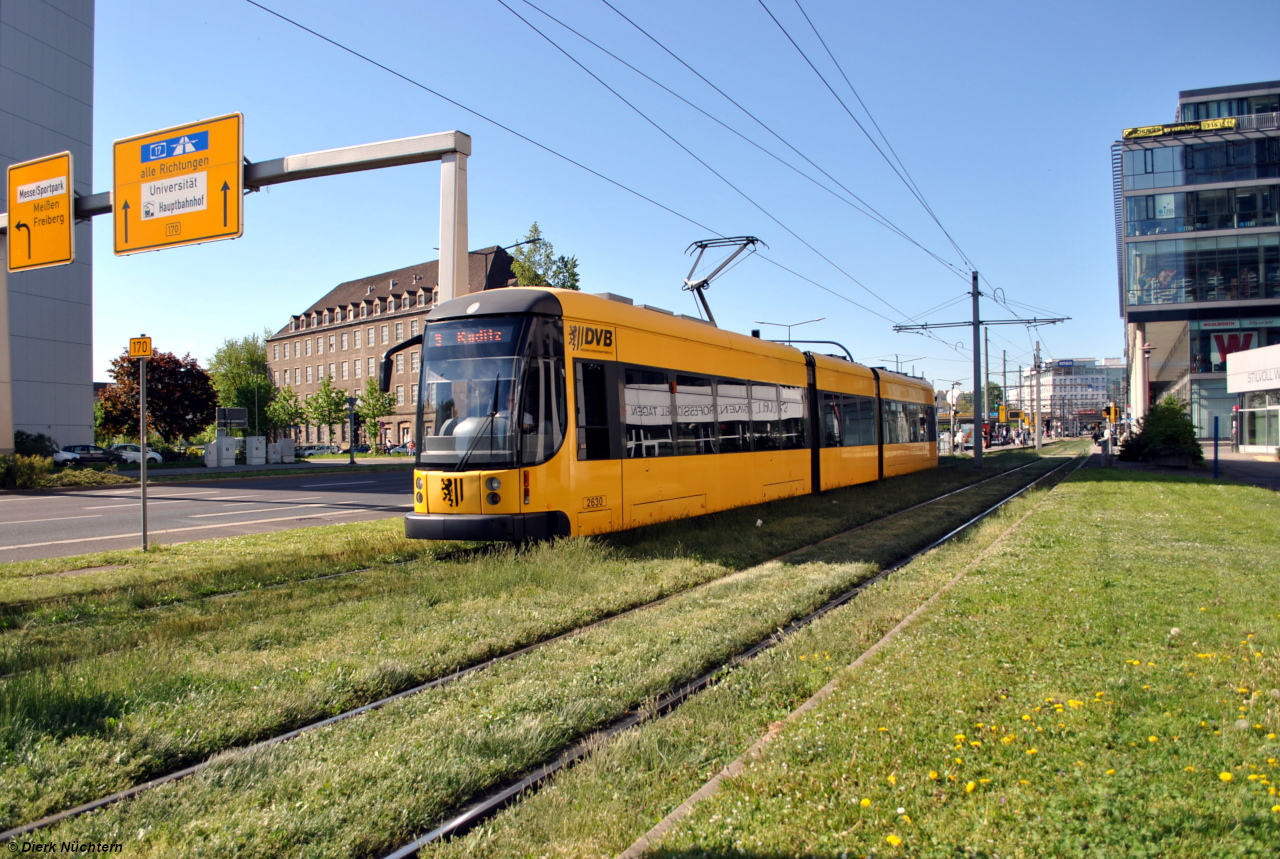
<point>38,444</point>
<point>23,472</point>
<point>82,477</point>
<point>1167,430</point>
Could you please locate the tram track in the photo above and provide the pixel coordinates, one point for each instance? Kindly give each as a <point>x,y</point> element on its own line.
<point>493,802</point>
<point>457,554</point>
<point>665,704</point>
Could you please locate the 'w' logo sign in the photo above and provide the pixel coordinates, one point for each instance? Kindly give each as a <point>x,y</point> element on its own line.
<point>451,491</point>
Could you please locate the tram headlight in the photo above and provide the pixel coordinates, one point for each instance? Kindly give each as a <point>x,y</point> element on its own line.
<point>494,499</point>
<point>418,484</point>
<point>419,497</point>
<point>493,484</point>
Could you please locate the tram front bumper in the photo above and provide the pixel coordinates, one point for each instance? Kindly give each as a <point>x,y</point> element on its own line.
<point>487,526</point>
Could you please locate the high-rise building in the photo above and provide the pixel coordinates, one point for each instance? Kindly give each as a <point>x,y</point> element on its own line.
<point>46,316</point>
<point>1197,212</point>
<point>1073,391</point>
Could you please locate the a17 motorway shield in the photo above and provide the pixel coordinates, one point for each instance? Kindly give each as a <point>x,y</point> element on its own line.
<point>179,186</point>
<point>41,222</point>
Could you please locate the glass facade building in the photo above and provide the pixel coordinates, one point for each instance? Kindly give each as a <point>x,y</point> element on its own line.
<point>1197,210</point>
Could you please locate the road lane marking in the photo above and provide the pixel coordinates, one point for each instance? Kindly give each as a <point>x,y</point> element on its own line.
<point>250,512</point>
<point>179,530</point>
<point>138,501</point>
<point>343,483</point>
<point>54,519</point>
<point>233,497</point>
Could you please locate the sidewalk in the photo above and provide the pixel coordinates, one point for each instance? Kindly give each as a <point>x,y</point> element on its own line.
<point>1251,468</point>
<point>379,462</point>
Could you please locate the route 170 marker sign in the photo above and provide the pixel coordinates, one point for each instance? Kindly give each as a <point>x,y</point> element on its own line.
<point>179,186</point>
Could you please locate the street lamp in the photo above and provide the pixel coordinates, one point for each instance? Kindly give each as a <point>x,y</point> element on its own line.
<point>790,326</point>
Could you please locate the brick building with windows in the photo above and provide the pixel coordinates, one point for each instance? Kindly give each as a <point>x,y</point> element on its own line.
<point>343,336</point>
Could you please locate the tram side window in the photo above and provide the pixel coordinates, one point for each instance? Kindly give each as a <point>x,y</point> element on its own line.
<point>734,417</point>
<point>911,417</point>
<point>766,430</point>
<point>593,410</point>
<point>928,424</point>
<point>831,419</point>
<point>695,416</point>
<point>543,412</point>
<point>860,420</point>
<point>791,403</point>
<point>647,397</point>
<point>892,418</point>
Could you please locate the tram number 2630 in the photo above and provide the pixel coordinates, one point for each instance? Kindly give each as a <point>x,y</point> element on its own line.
<point>591,502</point>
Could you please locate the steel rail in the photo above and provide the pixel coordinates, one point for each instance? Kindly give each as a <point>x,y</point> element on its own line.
<point>499,799</point>
<point>448,556</point>
<point>177,775</point>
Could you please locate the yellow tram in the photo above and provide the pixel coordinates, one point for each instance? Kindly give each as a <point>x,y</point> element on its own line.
<point>563,413</point>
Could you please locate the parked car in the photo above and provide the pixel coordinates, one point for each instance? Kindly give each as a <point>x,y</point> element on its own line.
<point>132,453</point>
<point>360,448</point>
<point>91,454</point>
<point>64,457</point>
<point>402,450</point>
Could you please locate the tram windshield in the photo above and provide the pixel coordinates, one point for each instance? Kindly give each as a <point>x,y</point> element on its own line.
<point>493,393</point>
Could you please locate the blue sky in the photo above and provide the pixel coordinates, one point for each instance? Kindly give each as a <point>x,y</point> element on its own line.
<point>1003,113</point>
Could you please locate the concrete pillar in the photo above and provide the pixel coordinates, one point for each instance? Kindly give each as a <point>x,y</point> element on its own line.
<point>454,263</point>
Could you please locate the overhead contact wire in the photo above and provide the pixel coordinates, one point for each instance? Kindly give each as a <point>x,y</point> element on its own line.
<point>697,158</point>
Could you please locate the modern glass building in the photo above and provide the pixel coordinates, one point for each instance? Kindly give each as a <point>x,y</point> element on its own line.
<point>1197,209</point>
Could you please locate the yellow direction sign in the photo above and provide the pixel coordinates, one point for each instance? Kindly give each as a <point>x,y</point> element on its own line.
<point>179,186</point>
<point>41,213</point>
<point>139,347</point>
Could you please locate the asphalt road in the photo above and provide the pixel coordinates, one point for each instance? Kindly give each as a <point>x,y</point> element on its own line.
<point>73,523</point>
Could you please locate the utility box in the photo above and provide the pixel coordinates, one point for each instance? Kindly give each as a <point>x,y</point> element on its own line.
<point>220,452</point>
<point>273,453</point>
<point>255,450</point>
<point>286,450</point>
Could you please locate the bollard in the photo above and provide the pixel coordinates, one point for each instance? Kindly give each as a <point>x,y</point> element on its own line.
<point>1215,447</point>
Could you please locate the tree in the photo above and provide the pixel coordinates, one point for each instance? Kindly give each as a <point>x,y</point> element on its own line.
<point>181,400</point>
<point>327,407</point>
<point>374,404</point>
<point>243,379</point>
<point>535,263</point>
<point>285,409</point>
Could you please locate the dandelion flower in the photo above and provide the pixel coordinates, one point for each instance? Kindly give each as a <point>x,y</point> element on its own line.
<point>1023,781</point>
<point>893,779</point>
<point>959,738</point>
<point>1191,769</point>
<point>1151,739</point>
<point>1275,809</point>
<point>1225,776</point>
<point>865,802</point>
<point>968,788</point>
<point>1031,751</point>
<point>1111,772</point>
<point>933,774</point>
<point>975,743</point>
<point>893,840</point>
<point>983,780</point>
<point>1026,718</point>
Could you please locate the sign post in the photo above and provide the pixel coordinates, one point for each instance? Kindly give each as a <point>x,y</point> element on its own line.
<point>351,432</point>
<point>179,186</point>
<point>41,213</point>
<point>140,348</point>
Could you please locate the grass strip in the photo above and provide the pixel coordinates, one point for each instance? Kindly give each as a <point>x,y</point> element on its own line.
<point>632,781</point>
<point>117,584</point>
<point>1114,698</point>
<point>669,661</point>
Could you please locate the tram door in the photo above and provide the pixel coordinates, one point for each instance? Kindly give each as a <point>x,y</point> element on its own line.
<point>597,465</point>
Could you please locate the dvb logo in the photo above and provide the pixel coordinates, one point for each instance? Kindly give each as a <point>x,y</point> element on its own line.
<point>586,337</point>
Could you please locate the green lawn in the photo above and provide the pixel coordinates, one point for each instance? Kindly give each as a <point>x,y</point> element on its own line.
<point>212,674</point>
<point>1105,684</point>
